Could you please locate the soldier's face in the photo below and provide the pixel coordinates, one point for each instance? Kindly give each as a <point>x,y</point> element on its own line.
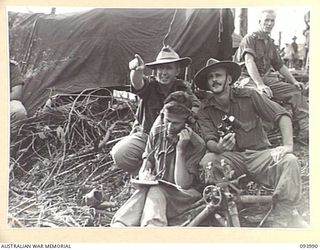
<point>267,21</point>
<point>217,80</point>
<point>166,73</point>
<point>174,124</point>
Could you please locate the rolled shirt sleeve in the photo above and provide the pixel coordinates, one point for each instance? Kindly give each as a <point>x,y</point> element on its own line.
<point>267,109</point>
<point>208,130</point>
<point>247,45</point>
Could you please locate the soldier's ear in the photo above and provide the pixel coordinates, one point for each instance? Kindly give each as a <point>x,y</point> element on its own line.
<point>229,79</point>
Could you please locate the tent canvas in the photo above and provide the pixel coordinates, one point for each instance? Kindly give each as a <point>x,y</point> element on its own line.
<point>67,53</point>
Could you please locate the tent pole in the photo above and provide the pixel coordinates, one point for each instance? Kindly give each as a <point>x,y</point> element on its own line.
<point>186,73</point>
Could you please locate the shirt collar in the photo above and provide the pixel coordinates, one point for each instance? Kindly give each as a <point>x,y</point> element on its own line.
<point>211,101</point>
<point>262,35</point>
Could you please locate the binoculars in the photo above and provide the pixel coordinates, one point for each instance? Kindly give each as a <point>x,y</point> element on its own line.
<point>228,124</point>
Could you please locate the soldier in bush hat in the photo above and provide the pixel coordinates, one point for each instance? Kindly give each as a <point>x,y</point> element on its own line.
<point>152,90</point>
<point>246,149</point>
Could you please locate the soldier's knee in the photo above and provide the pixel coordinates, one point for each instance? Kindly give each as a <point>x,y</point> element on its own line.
<point>291,159</point>
<point>117,152</point>
<point>290,164</point>
<point>126,158</point>
<point>17,111</point>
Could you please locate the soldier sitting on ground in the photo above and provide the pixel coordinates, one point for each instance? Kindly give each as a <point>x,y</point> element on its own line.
<point>172,154</point>
<point>247,150</point>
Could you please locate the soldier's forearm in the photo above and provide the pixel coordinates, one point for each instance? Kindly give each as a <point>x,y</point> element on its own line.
<point>181,175</point>
<point>286,73</point>
<point>136,77</point>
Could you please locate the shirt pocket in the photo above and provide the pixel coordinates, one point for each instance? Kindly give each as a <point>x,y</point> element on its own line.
<point>246,136</point>
<point>249,125</point>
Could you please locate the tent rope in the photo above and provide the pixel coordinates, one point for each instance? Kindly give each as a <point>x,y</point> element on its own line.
<point>220,25</point>
<point>170,27</point>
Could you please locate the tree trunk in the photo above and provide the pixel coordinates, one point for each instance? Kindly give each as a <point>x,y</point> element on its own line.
<point>243,21</point>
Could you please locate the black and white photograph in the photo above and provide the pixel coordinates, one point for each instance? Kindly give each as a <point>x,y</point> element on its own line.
<point>159,117</point>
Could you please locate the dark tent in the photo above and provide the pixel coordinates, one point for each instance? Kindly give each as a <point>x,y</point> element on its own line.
<point>67,53</point>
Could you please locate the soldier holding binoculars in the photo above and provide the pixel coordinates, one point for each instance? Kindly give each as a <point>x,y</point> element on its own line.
<point>246,148</point>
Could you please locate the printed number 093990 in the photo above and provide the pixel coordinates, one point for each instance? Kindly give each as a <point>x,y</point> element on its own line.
<point>308,246</point>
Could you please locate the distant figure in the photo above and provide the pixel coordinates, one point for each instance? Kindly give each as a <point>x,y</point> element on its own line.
<point>17,109</point>
<point>294,45</point>
<point>294,58</point>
